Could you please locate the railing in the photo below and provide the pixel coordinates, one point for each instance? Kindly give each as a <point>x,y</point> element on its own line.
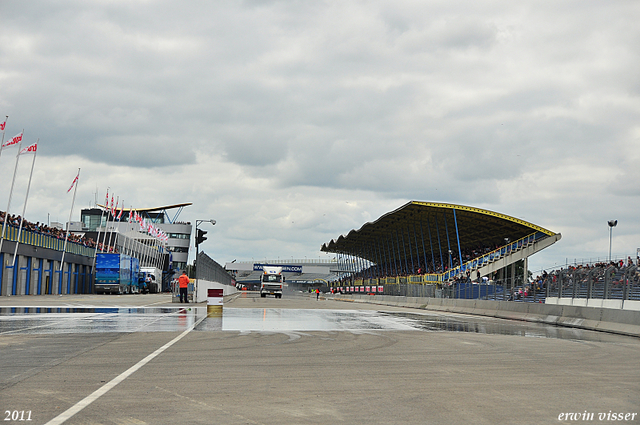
<point>492,256</point>
<point>40,240</point>
<point>606,283</point>
<point>208,269</point>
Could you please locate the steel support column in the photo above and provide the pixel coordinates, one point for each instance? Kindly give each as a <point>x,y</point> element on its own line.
<point>455,220</point>
<point>446,229</point>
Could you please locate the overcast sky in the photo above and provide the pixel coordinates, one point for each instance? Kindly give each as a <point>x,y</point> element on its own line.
<point>293,122</point>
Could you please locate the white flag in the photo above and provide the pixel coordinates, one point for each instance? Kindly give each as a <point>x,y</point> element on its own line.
<point>73,183</point>
<point>13,141</point>
<point>30,149</point>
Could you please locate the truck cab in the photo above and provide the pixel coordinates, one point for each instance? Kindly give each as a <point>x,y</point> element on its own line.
<point>271,282</point>
<point>151,279</point>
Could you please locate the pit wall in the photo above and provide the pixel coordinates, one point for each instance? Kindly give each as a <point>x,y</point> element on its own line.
<point>615,320</point>
<point>205,285</point>
<point>596,302</point>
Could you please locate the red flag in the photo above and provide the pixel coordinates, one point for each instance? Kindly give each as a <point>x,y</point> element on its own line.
<point>13,141</point>
<point>3,125</point>
<point>29,149</point>
<point>106,201</point>
<point>73,183</point>
<point>120,213</point>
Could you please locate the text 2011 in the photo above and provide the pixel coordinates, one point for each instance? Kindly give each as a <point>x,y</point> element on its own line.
<point>17,415</point>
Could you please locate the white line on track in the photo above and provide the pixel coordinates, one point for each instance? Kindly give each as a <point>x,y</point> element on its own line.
<point>159,302</point>
<point>55,322</point>
<point>69,413</point>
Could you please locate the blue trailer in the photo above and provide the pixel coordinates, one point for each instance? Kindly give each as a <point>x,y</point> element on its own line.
<point>116,274</point>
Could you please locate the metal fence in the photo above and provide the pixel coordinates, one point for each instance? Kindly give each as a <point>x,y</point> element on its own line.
<point>608,283</point>
<point>598,282</point>
<point>411,290</point>
<point>41,240</point>
<point>209,269</point>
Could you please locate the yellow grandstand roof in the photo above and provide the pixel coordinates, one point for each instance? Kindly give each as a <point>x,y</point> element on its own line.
<point>417,227</point>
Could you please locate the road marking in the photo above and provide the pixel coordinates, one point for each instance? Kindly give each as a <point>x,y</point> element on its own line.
<point>55,323</point>
<point>159,302</point>
<point>69,413</point>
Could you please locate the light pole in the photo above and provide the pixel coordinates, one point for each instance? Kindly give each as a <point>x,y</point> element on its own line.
<point>200,237</point>
<point>612,224</point>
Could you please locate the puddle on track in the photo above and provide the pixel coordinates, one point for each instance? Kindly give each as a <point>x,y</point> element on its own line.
<point>54,320</point>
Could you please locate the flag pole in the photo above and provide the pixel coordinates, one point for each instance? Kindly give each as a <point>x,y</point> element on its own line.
<point>95,252</point>
<point>99,225</point>
<point>106,224</point>
<point>66,238</point>
<point>123,235</point>
<point>106,230</point>
<point>6,213</point>
<point>130,241</point>
<point>114,222</point>
<point>24,207</point>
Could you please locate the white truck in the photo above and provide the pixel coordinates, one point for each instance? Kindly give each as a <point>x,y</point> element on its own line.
<point>152,279</point>
<point>272,281</point>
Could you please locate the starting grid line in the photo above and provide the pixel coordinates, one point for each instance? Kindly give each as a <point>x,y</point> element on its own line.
<point>69,413</point>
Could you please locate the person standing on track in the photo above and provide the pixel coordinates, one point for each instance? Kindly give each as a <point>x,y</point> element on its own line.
<point>183,282</point>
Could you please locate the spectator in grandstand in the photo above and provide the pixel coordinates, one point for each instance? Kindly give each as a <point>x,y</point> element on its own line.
<point>14,220</point>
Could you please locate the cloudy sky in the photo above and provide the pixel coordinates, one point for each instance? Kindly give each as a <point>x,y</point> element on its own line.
<point>293,122</point>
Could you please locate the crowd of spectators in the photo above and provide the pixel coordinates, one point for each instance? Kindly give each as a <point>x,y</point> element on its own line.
<point>43,229</point>
<point>417,266</point>
<point>579,274</point>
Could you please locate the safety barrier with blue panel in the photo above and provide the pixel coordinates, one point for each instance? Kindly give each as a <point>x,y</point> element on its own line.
<point>29,274</point>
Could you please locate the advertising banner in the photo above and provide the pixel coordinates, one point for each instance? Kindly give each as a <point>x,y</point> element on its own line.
<point>285,268</point>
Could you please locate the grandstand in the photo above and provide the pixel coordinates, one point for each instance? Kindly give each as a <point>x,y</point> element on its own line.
<point>437,244</point>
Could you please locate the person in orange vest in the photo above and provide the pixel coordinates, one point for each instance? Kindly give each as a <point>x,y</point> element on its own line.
<point>183,282</point>
<point>317,294</point>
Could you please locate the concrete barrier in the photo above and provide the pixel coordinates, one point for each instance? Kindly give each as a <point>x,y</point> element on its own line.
<point>435,304</point>
<point>620,321</point>
<point>462,306</point>
<point>205,285</point>
<point>486,308</point>
<point>580,317</point>
<point>544,313</point>
<point>631,305</point>
<point>215,302</point>
<point>556,312</point>
<point>595,302</point>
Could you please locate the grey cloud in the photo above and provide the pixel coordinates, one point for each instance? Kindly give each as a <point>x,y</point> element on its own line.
<point>530,108</point>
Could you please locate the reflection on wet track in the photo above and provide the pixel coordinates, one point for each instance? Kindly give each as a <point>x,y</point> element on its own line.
<point>55,320</point>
